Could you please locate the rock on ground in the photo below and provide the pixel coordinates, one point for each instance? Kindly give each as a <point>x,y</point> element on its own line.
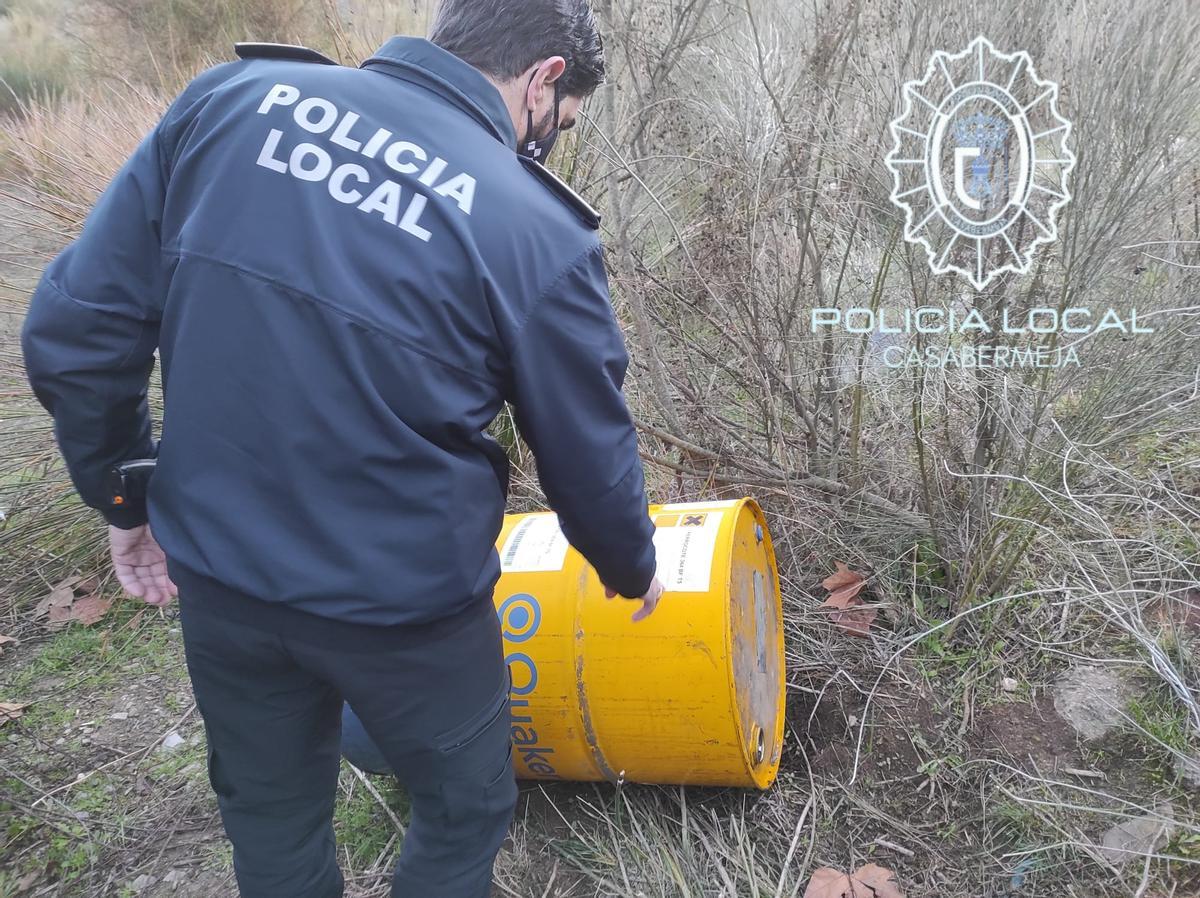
<point>1138,836</point>
<point>1092,699</point>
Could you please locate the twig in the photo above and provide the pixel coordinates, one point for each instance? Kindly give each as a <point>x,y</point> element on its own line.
<point>400,828</point>
<point>907,852</point>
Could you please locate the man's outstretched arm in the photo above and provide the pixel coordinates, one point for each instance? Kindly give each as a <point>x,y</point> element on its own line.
<point>89,340</point>
<point>568,369</point>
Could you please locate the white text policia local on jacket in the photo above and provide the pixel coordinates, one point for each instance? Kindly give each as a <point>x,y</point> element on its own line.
<point>349,182</point>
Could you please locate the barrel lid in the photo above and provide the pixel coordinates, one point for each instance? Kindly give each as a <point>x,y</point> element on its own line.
<point>756,652</point>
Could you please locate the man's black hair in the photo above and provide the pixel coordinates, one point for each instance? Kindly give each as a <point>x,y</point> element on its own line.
<point>503,38</point>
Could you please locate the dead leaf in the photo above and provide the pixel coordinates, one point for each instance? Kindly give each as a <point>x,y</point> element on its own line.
<point>844,597</point>
<point>11,711</point>
<point>73,599</point>
<point>828,883</point>
<point>7,640</point>
<point>59,614</point>
<point>60,596</point>
<point>90,609</point>
<point>879,882</point>
<point>856,621</point>
<point>842,577</point>
<point>869,881</point>
<point>849,611</point>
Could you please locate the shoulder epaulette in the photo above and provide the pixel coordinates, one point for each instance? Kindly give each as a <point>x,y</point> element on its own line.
<point>280,51</point>
<point>563,191</point>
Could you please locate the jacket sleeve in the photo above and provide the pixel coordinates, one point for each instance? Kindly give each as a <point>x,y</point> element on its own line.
<point>92,328</point>
<point>568,367</point>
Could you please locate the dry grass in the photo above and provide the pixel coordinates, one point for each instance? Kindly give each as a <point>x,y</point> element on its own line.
<point>35,64</point>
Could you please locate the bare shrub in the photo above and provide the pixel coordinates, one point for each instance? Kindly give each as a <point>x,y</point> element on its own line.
<point>170,40</point>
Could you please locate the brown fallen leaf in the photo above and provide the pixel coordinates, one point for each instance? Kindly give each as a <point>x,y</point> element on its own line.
<point>869,881</point>
<point>59,615</point>
<point>73,599</point>
<point>844,597</point>
<point>856,621</point>
<point>841,578</point>
<point>11,711</point>
<point>879,882</point>
<point>7,640</point>
<point>849,611</point>
<point>829,883</point>
<point>90,609</point>
<point>60,596</point>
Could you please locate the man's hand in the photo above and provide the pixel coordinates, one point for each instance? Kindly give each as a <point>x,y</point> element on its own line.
<point>649,600</point>
<point>141,565</point>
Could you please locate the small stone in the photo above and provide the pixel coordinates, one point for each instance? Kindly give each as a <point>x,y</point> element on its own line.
<point>143,882</point>
<point>1092,699</point>
<point>172,742</point>
<point>121,715</point>
<point>1137,837</point>
<point>174,878</point>
<point>1008,684</point>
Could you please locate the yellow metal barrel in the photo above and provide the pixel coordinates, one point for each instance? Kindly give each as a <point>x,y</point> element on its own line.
<point>692,695</point>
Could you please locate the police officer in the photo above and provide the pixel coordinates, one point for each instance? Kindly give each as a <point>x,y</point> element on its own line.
<point>346,273</point>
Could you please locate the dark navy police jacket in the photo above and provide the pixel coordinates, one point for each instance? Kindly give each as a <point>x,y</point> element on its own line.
<point>346,274</point>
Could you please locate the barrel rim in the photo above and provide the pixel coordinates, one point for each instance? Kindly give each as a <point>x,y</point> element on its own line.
<point>763,775</point>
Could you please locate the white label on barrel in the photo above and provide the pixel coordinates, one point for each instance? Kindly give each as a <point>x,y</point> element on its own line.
<point>535,544</point>
<point>684,543</point>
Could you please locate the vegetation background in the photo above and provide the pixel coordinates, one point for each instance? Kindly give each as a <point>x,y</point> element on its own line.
<point>1026,535</point>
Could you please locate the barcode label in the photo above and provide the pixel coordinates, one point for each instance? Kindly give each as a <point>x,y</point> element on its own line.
<point>535,544</point>
<point>514,542</point>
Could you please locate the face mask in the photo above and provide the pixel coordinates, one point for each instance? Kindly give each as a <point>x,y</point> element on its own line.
<point>538,148</point>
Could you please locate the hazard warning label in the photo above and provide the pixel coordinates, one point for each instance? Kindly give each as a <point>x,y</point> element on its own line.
<point>535,544</point>
<point>684,543</point>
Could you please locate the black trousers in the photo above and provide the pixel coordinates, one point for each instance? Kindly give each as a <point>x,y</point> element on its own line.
<point>270,682</point>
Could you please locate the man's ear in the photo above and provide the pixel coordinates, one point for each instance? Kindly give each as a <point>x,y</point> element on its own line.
<point>545,73</point>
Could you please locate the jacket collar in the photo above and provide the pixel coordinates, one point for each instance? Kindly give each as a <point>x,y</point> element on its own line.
<point>421,62</point>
